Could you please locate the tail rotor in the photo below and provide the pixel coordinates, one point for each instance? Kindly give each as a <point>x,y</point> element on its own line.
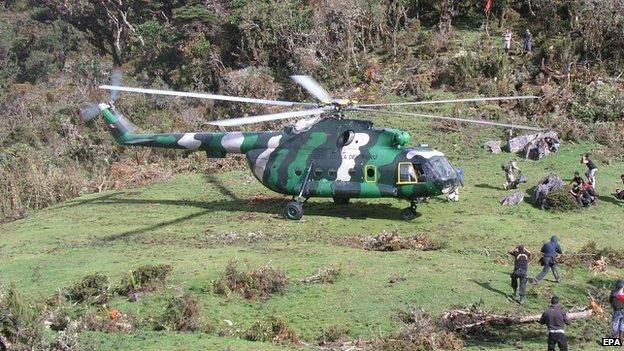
<point>89,112</point>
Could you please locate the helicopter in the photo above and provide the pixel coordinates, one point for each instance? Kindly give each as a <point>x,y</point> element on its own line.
<point>323,154</point>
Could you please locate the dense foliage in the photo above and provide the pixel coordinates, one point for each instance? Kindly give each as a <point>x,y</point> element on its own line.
<point>53,53</point>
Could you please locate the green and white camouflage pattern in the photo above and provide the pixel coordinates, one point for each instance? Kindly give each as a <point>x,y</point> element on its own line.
<point>329,157</point>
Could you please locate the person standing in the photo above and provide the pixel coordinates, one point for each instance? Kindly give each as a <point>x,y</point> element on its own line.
<point>616,299</point>
<point>591,169</point>
<point>521,268</point>
<point>528,38</point>
<point>507,40</point>
<point>555,320</point>
<point>548,260</point>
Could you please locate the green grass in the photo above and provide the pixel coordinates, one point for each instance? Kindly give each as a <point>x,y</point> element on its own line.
<point>179,222</point>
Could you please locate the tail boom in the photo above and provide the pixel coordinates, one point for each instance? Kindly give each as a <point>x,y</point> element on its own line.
<point>214,144</point>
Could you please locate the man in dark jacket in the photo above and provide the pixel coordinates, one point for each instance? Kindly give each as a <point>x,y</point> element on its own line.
<point>548,261</point>
<point>521,267</point>
<point>616,299</point>
<point>555,319</point>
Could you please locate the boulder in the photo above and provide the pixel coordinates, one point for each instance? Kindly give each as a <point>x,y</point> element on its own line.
<point>529,144</point>
<point>512,199</point>
<point>546,185</point>
<point>493,146</point>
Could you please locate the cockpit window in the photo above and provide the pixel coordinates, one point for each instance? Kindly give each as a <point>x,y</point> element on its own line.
<point>406,173</point>
<point>440,167</point>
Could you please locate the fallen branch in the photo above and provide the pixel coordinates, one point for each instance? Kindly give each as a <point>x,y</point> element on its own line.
<point>466,319</point>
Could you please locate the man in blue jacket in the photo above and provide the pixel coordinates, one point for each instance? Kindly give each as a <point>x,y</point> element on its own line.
<point>548,260</point>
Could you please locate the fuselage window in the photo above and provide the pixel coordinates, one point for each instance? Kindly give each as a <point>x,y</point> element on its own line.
<point>371,174</point>
<point>406,173</point>
<point>332,173</point>
<point>347,137</point>
<point>298,172</point>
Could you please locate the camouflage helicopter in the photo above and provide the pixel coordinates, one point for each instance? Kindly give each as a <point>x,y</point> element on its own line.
<point>323,155</point>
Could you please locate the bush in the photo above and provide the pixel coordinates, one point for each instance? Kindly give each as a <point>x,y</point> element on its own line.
<point>144,279</point>
<point>332,334</point>
<point>252,284</point>
<point>420,333</point>
<point>181,314</point>
<point>92,289</point>
<point>560,200</point>
<point>274,330</point>
<point>20,323</point>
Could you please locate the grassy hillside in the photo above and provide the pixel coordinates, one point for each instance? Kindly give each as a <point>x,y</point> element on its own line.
<point>198,223</point>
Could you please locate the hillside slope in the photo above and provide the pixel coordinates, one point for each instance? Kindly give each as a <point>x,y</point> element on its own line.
<point>199,223</point>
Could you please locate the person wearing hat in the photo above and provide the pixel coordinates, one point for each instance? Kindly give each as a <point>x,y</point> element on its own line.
<point>548,260</point>
<point>521,267</point>
<point>616,299</point>
<point>555,320</point>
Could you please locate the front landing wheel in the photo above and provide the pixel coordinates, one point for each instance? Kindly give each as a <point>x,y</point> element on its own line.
<point>408,213</point>
<point>293,211</point>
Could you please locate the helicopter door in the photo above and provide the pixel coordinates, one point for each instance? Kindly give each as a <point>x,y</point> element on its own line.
<point>406,174</point>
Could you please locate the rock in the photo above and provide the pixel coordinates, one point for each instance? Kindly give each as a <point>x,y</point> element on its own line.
<point>528,144</point>
<point>513,199</point>
<point>546,185</point>
<point>493,146</point>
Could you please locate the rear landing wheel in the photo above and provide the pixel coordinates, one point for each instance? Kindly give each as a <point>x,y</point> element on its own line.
<point>408,213</point>
<point>293,211</point>
<point>341,200</point>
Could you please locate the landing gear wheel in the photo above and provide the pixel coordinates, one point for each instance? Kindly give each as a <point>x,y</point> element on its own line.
<point>293,211</point>
<point>408,213</point>
<point>341,200</point>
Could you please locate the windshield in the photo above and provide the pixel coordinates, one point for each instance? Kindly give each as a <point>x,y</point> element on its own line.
<point>439,167</point>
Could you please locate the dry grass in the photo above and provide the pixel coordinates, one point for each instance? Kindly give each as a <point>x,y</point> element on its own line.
<point>258,283</point>
<point>392,241</point>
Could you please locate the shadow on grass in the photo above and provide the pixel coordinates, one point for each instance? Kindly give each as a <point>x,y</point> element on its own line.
<point>488,186</point>
<point>355,210</point>
<point>611,199</point>
<point>488,286</point>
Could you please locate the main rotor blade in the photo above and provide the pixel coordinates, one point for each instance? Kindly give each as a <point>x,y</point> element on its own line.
<point>313,87</point>
<point>270,117</point>
<point>476,121</point>
<point>207,96</point>
<point>497,98</point>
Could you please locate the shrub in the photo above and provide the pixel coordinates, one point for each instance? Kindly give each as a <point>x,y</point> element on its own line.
<point>92,289</point>
<point>20,323</point>
<point>560,200</point>
<point>144,279</point>
<point>252,284</point>
<point>181,314</point>
<point>333,333</point>
<point>274,330</point>
<point>420,333</point>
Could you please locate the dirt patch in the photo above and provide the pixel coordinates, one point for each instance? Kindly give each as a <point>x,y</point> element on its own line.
<point>392,241</point>
<point>258,283</point>
<point>323,276</point>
